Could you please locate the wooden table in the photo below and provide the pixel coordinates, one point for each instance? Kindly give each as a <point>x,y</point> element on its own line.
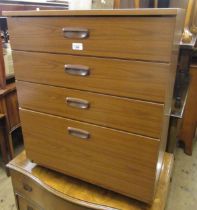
<point>51,190</point>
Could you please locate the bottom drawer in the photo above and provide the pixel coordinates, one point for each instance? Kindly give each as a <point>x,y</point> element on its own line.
<point>32,196</point>
<point>116,160</point>
<point>23,204</point>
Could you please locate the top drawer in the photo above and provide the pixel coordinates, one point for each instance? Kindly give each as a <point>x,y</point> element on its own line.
<point>141,38</point>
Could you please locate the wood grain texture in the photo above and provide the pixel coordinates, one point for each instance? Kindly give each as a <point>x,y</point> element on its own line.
<point>12,110</point>
<point>2,68</point>
<point>3,145</point>
<point>170,87</point>
<point>39,198</point>
<point>119,12</point>
<point>109,158</point>
<point>9,88</point>
<point>9,107</point>
<point>143,37</point>
<point>189,123</point>
<point>52,189</point>
<point>117,4</point>
<point>24,204</point>
<point>141,80</point>
<point>122,37</point>
<point>121,113</point>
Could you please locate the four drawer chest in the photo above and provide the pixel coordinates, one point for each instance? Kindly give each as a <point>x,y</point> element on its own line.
<point>95,91</point>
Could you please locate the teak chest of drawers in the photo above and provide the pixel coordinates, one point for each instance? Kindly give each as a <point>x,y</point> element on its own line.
<point>95,90</point>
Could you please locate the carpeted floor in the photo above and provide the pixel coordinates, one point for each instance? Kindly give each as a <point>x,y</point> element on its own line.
<point>7,201</point>
<point>183,190</point>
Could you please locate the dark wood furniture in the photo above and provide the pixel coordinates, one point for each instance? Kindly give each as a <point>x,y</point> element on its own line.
<point>96,113</point>
<point>188,128</point>
<point>14,5</point>
<point>181,97</point>
<point>3,144</point>
<point>38,188</point>
<point>180,94</point>
<point>189,123</point>
<point>8,106</point>
<point>2,68</point>
<point>141,4</point>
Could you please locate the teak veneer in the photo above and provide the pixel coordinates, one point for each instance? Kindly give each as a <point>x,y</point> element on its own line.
<point>139,117</point>
<point>116,37</point>
<point>141,80</point>
<point>95,91</point>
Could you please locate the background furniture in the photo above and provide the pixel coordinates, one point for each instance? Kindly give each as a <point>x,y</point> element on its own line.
<point>141,4</point>
<point>180,97</point>
<point>189,123</point>
<point>2,68</point>
<point>188,128</point>
<point>3,145</point>
<point>39,188</point>
<point>8,106</point>
<point>15,5</point>
<point>184,132</point>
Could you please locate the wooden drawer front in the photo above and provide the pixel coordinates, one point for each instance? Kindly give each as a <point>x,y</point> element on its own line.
<point>38,196</point>
<point>116,160</point>
<point>120,113</point>
<point>141,38</point>
<point>23,204</point>
<point>141,80</point>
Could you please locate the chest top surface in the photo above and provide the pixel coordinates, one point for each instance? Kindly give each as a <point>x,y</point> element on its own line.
<point>119,12</point>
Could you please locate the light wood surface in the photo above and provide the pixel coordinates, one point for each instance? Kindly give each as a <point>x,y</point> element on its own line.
<point>139,117</point>
<point>141,80</point>
<point>135,39</point>
<point>119,37</point>
<point>23,204</point>
<point>125,12</point>
<point>170,87</point>
<point>41,199</point>
<point>54,190</point>
<point>104,158</point>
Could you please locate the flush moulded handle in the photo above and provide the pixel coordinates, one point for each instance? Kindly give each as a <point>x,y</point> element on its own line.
<point>78,133</point>
<point>78,70</point>
<point>77,103</point>
<point>75,33</point>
